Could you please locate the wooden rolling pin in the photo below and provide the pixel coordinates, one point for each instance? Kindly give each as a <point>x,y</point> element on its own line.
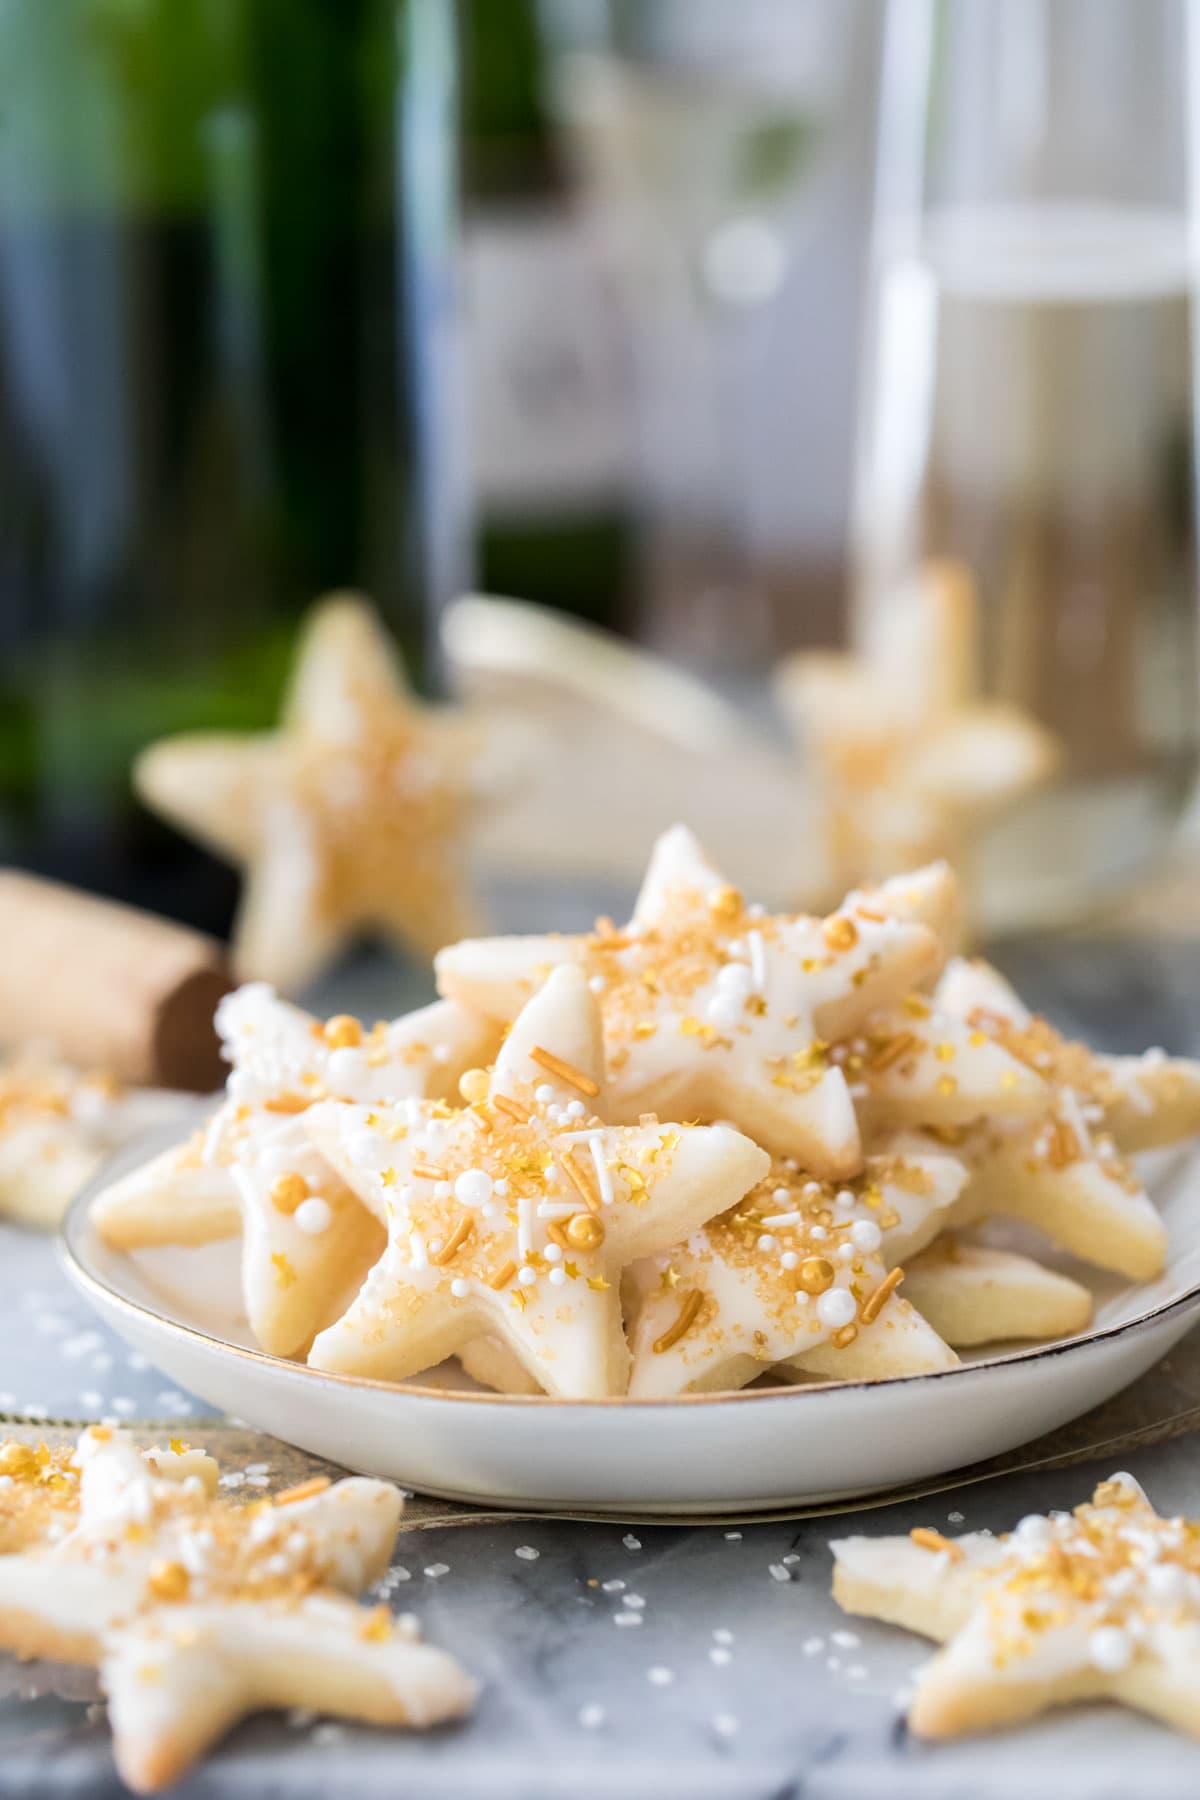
<point>109,987</point>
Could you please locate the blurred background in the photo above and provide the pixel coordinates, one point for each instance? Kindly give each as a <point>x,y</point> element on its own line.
<point>739,332</point>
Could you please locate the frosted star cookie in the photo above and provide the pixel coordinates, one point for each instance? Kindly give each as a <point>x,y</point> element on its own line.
<point>912,761</point>
<point>515,1216</point>
<point>799,1273</point>
<point>1062,1170</point>
<point>198,1611</point>
<point>715,1009</point>
<point>349,817</point>
<point>58,1125</point>
<point>973,1294</point>
<point>1101,1603</point>
<point>307,1240</point>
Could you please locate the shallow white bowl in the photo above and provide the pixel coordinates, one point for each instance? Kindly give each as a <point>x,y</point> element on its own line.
<point>763,1449</point>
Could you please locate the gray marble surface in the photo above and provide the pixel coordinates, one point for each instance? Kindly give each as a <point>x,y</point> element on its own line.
<point>686,1661</point>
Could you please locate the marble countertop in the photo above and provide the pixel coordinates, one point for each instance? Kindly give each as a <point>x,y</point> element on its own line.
<point>694,1661</point>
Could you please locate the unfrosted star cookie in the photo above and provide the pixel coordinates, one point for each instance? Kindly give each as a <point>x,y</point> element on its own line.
<point>715,1009</point>
<point>912,761</point>
<point>974,1294</point>
<point>349,817</point>
<point>196,1610</point>
<point>515,1215</point>
<point>800,1273</point>
<point>57,1126</point>
<point>307,1240</point>
<point>1101,1603</point>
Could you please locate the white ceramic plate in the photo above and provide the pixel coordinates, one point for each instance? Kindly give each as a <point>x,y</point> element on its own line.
<point>763,1449</point>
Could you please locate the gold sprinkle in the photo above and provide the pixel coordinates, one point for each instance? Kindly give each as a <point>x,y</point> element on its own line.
<point>517,1299</point>
<point>473,1085</point>
<point>574,1175</point>
<point>925,1539</point>
<point>428,1172</point>
<point>512,1107</point>
<point>874,1303</point>
<point>288,1103</point>
<point>565,1071</point>
<point>945,1052</point>
<point>303,1490</point>
<point>285,1275</point>
<point>585,1231</point>
<point>726,902</point>
<point>342,1032</point>
<point>1114,1493</point>
<point>150,1672</point>
<point>557,1235</point>
<point>169,1581</point>
<point>376,1628</point>
<point>178,1447</point>
<point>501,1277</point>
<point>946,1085</point>
<point>839,932</point>
<point>843,1338</point>
<point>669,1278</point>
<point>18,1460</point>
<point>692,1303</point>
<point>288,1192</point>
<point>598,1284</point>
<point>815,1274</point>
<point>645,1028</point>
<point>893,1050</point>
<point>454,1242</point>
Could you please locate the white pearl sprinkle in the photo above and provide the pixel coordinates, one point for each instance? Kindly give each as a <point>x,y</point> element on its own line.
<point>766,1241</point>
<point>543,1093</point>
<point>846,1253</point>
<point>473,1187</point>
<point>781,1196</point>
<point>575,1109</point>
<point>460,1288</point>
<point>314,1215</point>
<point>552,1253</point>
<point>500,1188</point>
<point>527,1276</point>
<point>723,1010</point>
<point>345,1068</point>
<point>818,1234</point>
<point>597,984</point>
<point>1110,1649</point>
<point>557,1277</point>
<point>490,1210</point>
<point>442,1190</point>
<point>866,1235</point>
<point>836,1307</point>
<point>789,1260</point>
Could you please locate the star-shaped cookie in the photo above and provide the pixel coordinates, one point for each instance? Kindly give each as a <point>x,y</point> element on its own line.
<point>714,1009</point>
<point>516,1215</point>
<point>1101,1603</point>
<point>912,759</point>
<point>974,1294</point>
<point>1062,1170</point>
<point>198,1611</point>
<point>799,1272</point>
<point>58,1125</point>
<point>348,817</point>
<point>307,1241</point>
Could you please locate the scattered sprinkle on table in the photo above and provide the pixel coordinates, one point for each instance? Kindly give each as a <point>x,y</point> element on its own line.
<point>591,1716</point>
<point>434,1570</point>
<point>527,1553</point>
<point>659,1676</point>
<point>630,1542</point>
<point>778,1572</point>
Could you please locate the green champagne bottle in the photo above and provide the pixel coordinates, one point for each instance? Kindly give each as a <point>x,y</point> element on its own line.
<point>546,359</point>
<point>205,411</point>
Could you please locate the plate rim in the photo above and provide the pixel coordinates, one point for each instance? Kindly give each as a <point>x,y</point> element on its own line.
<point>98,1290</point>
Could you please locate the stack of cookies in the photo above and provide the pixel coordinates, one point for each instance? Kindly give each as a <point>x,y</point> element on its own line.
<point>708,1146</point>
